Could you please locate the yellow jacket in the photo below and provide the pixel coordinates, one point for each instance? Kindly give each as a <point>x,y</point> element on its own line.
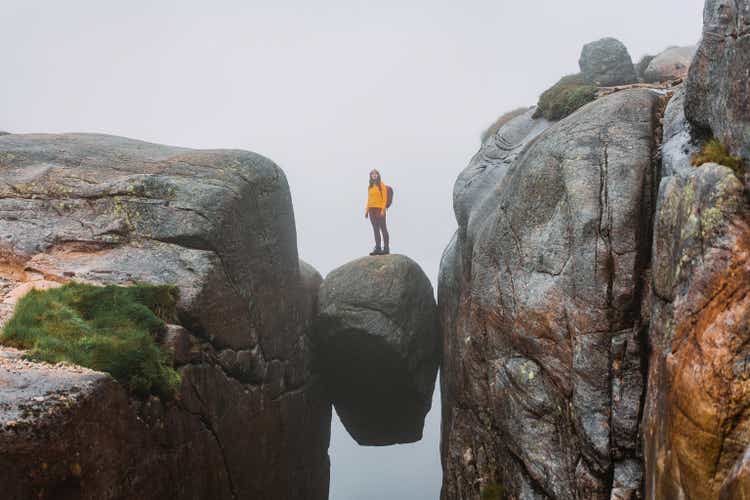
<point>377,196</point>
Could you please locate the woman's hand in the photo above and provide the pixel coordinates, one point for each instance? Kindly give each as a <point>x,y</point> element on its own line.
<point>382,212</point>
<point>367,213</point>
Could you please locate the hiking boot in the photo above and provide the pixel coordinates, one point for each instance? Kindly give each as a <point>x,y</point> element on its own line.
<point>386,251</point>
<point>376,251</point>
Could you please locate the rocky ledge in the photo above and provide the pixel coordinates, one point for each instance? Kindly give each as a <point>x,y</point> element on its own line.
<point>250,420</point>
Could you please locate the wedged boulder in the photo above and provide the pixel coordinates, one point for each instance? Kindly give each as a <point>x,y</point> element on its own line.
<point>250,419</point>
<point>540,304</point>
<point>377,347</point>
<point>696,426</point>
<point>606,63</point>
<point>672,64</point>
<point>718,88</point>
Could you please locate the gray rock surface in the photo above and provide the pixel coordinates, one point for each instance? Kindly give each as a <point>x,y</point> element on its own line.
<point>378,348</point>
<point>606,62</point>
<point>491,162</point>
<point>250,419</point>
<point>737,484</point>
<point>540,305</point>
<point>679,144</point>
<point>671,64</point>
<point>718,86</point>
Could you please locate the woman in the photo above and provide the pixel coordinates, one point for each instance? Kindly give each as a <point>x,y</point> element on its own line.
<point>377,199</point>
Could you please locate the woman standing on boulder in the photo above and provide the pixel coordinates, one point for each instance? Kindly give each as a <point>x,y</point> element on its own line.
<point>377,202</point>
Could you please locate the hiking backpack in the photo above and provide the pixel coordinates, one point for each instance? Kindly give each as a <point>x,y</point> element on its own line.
<point>389,200</point>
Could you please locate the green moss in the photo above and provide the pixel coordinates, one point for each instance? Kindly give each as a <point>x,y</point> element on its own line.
<point>111,329</point>
<point>505,118</point>
<point>714,151</point>
<point>493,492</point>
<point>564,97</point>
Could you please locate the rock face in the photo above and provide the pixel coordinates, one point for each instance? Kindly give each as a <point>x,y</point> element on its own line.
<point>696,427</point>
<point>606,62</point>
<point>540,297</point>
<point>718,87</point>
<point>250,420</point>
<point>671,64</point>
<point>378,348</point>
<point>678,143</point>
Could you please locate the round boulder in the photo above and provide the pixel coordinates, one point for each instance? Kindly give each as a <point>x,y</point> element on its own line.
<point>606,62</point>
<point>378,348</point>
<point>671,64</point>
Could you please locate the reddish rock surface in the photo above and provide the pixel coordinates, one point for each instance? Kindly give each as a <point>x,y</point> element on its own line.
<point>697,422</point>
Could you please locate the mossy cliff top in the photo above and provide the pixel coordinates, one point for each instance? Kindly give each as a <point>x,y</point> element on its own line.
<point>112,329</point>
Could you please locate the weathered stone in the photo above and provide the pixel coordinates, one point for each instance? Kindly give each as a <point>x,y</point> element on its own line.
<point>250,419</point>
<point>69,432</point>
<point>718,87</point>
<point>606,62</point>
<point>179,343</point>
<point>491,162</point>
<point>378,348</point>
<point>737,484</point>
<point>679,144</point>
<point>540,297</point>
<point>696,428</point>
<point>672,64</point>
<point>696,425</point>
<point>628,480</point>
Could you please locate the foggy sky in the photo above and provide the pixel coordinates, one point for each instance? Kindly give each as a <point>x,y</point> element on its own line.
<point>328,90</point>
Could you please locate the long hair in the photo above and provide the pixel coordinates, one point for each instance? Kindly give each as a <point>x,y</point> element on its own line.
<point>375,182</point>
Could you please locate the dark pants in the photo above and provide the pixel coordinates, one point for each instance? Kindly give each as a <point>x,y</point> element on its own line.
<point>377,219</point>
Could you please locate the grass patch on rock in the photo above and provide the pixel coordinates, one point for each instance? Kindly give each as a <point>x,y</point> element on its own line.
<point>564,97</point>
<point>111,329</point>
<point>714,151</point>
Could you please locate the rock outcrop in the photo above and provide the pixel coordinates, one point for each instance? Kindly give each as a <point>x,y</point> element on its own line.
<point>606,62</point>
<point>696,425</point>
<point>672,64</point>
<point>377,347</point>
<point>250,420</point>
<point>541,296</point>
<point>718,87</point>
